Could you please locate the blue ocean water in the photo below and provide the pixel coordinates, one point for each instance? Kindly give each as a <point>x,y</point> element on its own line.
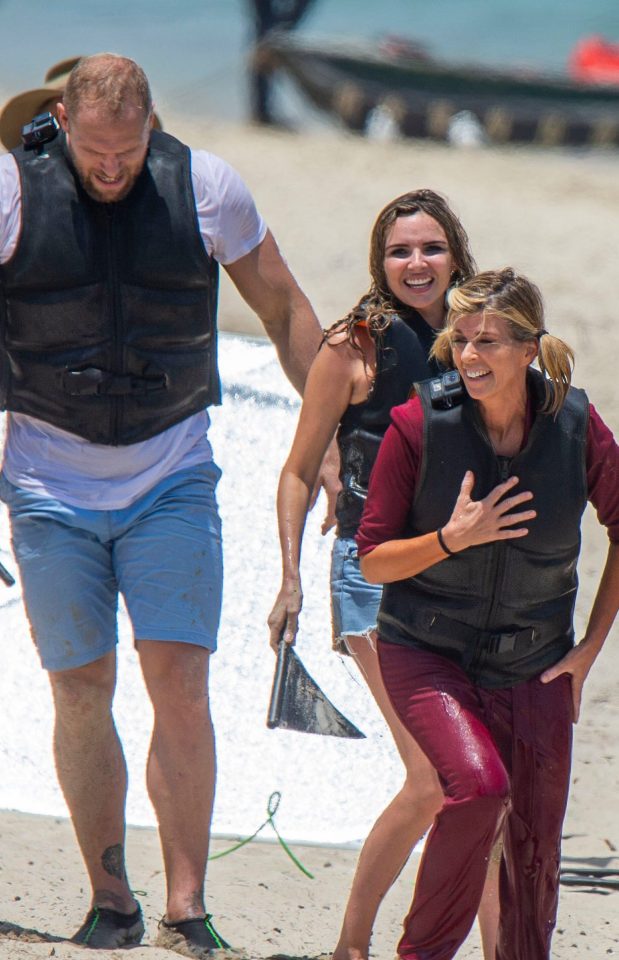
<point>194,50</point>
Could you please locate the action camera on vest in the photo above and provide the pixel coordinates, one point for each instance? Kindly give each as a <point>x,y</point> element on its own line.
<point>41,130</point>
<point>447,390</point>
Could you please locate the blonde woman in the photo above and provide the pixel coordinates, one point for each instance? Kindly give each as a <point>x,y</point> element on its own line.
<point>472,522</point>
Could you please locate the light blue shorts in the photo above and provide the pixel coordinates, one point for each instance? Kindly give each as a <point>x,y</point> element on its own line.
<point>354,601</point>
<point>162,553</point>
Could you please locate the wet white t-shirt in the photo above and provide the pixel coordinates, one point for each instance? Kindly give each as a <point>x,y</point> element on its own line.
<point>52,462</point>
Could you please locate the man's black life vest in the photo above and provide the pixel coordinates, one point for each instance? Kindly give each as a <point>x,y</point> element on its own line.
<point>108,310</point>
<point>502,610</point>
<point>401,359</point>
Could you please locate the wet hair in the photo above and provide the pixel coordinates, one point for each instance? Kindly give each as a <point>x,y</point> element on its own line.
<point>517,300</point>
<point>109,83</point>
<point>378,306</point>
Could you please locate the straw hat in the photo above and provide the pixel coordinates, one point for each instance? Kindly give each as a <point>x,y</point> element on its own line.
<point>21,109</point>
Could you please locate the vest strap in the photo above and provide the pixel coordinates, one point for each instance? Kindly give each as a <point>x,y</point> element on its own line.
<point>92,381</point>
<point>458,636</point>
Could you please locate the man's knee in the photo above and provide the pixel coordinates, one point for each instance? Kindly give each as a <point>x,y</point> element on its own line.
<point>84,690</point>
<point>176,675</point>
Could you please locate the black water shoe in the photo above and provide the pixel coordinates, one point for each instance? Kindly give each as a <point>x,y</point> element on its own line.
<point>106,929</point>
<point>194,938</point>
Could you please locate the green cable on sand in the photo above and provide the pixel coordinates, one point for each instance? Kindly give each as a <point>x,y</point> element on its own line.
<point>272,805</point>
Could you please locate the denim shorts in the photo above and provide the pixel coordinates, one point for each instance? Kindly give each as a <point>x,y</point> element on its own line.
<point>354,601</point>
<point>162,553</point>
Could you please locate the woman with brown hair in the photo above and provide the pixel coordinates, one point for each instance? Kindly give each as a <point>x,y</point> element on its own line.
<point>472,523</point>
<point>367,364</point>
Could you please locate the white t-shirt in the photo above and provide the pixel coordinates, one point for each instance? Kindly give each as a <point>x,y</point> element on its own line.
<point>54,463</point>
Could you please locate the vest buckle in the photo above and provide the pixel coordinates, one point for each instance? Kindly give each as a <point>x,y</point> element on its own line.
<point>502,643</point>
<point>85,382</point>
<point>92,381</point>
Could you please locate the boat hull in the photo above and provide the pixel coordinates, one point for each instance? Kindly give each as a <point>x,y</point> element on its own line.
<point>423,96</point>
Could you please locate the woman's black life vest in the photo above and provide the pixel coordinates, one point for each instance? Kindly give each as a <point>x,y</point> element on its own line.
<point>503,610</point>
<point>401,359</point>
<point>108,310</point>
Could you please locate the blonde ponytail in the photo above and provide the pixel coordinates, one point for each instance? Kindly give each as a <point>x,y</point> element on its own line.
<point>556,361</point>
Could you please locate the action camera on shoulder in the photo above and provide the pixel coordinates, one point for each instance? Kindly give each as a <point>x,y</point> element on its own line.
<point>447,390</point>
<point>39,131</point>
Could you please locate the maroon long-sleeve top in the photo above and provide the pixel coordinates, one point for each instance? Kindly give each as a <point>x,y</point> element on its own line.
<point>394,477</point>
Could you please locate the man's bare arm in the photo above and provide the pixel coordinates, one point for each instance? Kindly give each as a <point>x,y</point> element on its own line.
<point>266,284</point>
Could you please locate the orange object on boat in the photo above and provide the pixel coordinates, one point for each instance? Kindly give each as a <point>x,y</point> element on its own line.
<point>595,60</point>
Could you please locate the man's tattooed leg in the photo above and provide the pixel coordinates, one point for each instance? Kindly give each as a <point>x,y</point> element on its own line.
<point>113,861</point>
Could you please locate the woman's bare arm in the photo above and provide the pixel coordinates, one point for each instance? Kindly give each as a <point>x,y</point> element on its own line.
<point>337,378</point>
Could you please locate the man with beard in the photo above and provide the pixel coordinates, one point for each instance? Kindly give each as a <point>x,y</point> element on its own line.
<point>110,239</point>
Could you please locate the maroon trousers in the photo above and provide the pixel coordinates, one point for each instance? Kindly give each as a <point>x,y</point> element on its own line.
<point>503,757</point>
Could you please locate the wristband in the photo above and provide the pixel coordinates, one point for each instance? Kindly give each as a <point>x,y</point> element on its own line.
<point>443,545</point>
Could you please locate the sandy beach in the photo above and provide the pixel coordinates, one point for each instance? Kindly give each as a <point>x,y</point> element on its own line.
<point>552,215</point>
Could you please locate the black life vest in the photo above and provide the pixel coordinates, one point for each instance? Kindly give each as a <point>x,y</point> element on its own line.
<point>502,610</point>
<point>401,359</point>
<point>108,310</point>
